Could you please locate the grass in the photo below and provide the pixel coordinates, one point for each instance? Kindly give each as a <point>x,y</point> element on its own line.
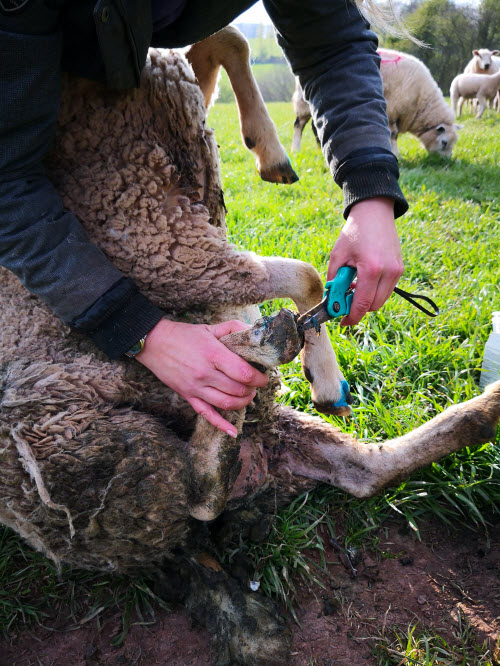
<point>415,647</point>
<point>403,367</point>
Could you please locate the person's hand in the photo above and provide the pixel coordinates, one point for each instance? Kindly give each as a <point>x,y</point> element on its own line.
<point>190,360</point>
<point>369,242</point>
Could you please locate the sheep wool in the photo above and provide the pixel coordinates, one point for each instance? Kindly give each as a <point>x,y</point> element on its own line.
<point>415,103</point>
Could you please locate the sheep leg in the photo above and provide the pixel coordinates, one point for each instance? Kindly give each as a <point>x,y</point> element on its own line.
<point>311,451</point>
<point>481,105</point>
<point>393,127</point>
<point>289,278</point>
<point>298,128</point>
<point>249,279</point>
<point>214,465</point>
<point>229,48</point>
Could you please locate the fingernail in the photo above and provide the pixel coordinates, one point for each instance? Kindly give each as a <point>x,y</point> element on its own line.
<point>232,433</point>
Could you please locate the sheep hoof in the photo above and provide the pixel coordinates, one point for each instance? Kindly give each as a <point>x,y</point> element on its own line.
<point>340,407</point>
<point>279,173</point>
<point>331,409</point>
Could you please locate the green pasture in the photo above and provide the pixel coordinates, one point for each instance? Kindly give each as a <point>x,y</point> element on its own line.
<point>403,367</point>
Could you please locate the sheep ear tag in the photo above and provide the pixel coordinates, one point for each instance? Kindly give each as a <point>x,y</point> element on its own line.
<point>10,7</point>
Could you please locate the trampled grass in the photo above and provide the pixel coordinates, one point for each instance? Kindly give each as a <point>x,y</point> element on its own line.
<point>403,367</point>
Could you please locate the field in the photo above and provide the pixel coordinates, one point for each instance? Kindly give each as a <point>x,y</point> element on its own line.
<point>403,368</point>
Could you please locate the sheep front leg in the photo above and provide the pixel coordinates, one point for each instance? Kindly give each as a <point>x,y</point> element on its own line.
<point>214,464</point>
<point>229,48</point>
<point>289,278</point>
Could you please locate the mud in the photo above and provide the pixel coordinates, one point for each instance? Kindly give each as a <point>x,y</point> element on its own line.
<point>404,581</point>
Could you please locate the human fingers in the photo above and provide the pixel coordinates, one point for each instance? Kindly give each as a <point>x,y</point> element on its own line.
<point>225,401</point>
<point>212,416</point>
<point>225,384</point>
<point>337,260</point>
<point>231,364</point>
<point>364,294</point>
<point>238,369</point>
<point>385,286</point>
<point>227,327</point>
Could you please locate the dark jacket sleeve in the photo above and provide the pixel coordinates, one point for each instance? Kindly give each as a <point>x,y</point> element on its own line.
<point>41,242</point>
<point>333,52</point>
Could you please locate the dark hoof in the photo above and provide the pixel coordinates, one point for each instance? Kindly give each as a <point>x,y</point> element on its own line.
<point>332,409</point>
<point>342,406</point>
<point>281,173</point>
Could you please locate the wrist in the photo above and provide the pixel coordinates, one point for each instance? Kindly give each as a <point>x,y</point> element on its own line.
<point>380,207</point>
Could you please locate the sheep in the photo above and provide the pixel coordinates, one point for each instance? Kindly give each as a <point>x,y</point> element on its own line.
<point>415,104</point>
<point>302,116</point>
<point>103,466</point>
<point>482,62</point>
<point>229,48</point>
<point>474,86</point>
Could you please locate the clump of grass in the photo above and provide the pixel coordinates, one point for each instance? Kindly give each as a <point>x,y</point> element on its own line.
<point>414,646</point>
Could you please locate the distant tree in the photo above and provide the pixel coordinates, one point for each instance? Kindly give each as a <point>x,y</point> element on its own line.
<point>488,29</point>
<point>450,32</point>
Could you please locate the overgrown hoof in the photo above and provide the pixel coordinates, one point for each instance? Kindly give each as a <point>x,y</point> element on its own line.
<point>280,173</point>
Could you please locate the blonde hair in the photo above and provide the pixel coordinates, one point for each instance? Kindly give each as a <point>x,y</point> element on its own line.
<point>385,19</point>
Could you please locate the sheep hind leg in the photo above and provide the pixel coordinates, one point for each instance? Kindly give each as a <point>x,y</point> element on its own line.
<point>289,278</point>
<point>481,106</point>
<point>311,451</point>
<point>214,455</point>
<point>256,279</point>
<point>229,49</point>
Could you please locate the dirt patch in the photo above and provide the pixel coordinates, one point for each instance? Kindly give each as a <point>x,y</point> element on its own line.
<point>434,582</point>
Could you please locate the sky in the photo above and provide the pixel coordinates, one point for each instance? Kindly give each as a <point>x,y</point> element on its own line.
<point>256,14</point>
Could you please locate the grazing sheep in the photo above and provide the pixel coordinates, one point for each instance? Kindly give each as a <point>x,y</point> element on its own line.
<point>102,465</point>
<point>229,48</point>
<point>415,104</point>
<point>474,86</point>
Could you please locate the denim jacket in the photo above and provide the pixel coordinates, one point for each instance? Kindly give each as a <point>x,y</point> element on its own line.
<point>328,45</point>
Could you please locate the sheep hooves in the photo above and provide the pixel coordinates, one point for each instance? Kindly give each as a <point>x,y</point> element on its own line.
<point>214,464</point>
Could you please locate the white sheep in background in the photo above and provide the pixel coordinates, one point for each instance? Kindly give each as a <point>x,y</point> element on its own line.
<point>474,86</point>
<point>483,62</point>
<point>415,104</point>
<point>496,62</point>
